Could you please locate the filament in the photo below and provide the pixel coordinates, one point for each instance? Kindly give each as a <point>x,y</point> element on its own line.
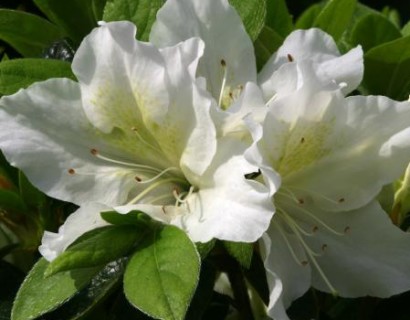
<point>225,75</point>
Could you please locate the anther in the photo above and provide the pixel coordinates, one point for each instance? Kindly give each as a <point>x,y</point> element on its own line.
<point>341,200</point>
<point>315,228</point>
<point>347,229</point>
<point>302,140</point>
<point>324,247</point>
<point>138,179</point>
<point>290,58</point>
<point>163,209</point>
<point>223,63</point>
<point>71,171</point>
<point>94,152</point>
<point>304,263</point>
<point>301,201</point>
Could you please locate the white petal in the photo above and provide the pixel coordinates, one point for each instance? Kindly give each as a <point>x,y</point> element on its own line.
<point>227,206</point>
<point>220,27</point>
<point>371,258</point>
<point>122,80</point>
<point>316,46</point>
<point>46,134</point>
<point>85,219</point>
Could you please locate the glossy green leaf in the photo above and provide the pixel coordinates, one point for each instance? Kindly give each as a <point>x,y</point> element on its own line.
<point>75,17</point>
<point>101,285</point>
<point>134,217</point>
<point>30,194</point>
<point>27,33</point>
<point>335,17</point>
<point>267,44</point>
<point>387,69</point>
<point>141,12</point>
<point>38,295</point>
<point>104,245</point>
<point>308,17</point>
<point>253,15</point>
<point>20,73</point>
<point>166,266</point>
<point>373,30</point>
<point>242,252</point>
<point>278,17</point>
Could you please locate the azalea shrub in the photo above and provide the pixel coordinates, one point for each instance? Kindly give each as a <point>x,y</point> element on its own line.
<point>204,159</point>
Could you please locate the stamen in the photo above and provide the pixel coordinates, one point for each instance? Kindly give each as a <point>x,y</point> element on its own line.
<point>346,230</point>
<point>161,174</point>
<point>292,221</point>
<point>302,140</point>
<point>290,58</point>
<point>324,247</point>
<point>292,252</point>
<point>318,194</point>
<point>71,171</point>
<point>271,99</point>
<point>149,189</point>
<point>225,75</point>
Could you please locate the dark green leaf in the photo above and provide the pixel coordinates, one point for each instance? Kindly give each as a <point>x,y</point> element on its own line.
<point>308,17</point>
<point>75,17</point>
<point>278,17</point>
<point>11,201</point>
<point>335,17</point>
<point>20,73</point>
<point>387,69</point>
<point>256,275</point>
<point>205,248</point>
<point>252,13</point>
<point>30,194</point>
<point>27,33</point>
<point>10,279</point>
<point>242,252</point>
<point>38,295</point>
<point>108,244</point>
<point>267,44</point>
<point>88,298</point>
<point>162,275</point>
<point>98,9</point>
<point>373,30</point>
<point>141,12</point>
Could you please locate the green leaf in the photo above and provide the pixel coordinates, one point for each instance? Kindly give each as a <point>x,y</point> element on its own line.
<point>30,194</point>
<point>335,17</point>
<point>241,251</point>
<point>267,44</point>
<point>256,275</point>
<point>406,29</point>
<point>20,73</point>
<point>141,12</point>
<point>11,201</point>
<point>38,295</point>
<point>101,285</point>
<point>278,17</point>
<point>27,33</point>
<point>373,30</point>
<point>204,248</point>
<point>133,217</point>
<point>252,13</point>
<point>387,68</point>
<point>75,17</point>
<point>308,17</point>
<point>166,266</point>
<point>106,244</point>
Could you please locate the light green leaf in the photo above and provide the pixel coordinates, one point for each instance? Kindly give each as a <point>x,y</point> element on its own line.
<point>335,17</point>
<point>406,29</point>
<point>387,69</point>
<point>242,252</point>
<point>166,265</point>
<point>38,295</point>
<point>278,17</point>
<point>75,17</point>
<point>373,30</point>
<point>133,217</point>
<point>205,248</point>
<point>100,247</point>
<point>20,73</point>
<point>267,44</point>
<point>392,15</point>
<point>308,17</point>
<point>141,12</point>
<point>252,13</point>
<point>27,33</point>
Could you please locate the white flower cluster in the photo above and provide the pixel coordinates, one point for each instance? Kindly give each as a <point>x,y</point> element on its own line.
<point>184,129</point>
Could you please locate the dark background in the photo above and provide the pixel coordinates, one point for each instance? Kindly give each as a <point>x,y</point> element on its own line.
<point>403,6</point>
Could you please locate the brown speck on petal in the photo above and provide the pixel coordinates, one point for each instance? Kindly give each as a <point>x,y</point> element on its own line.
<point>290,58</point>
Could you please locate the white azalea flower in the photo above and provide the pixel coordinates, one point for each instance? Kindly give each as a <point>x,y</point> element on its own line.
<point>228,64</point>
<point>333,155</point>
<point>135,131</point>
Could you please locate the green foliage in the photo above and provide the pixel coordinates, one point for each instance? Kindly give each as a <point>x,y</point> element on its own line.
<point>27,33</point>
<point>75,17</point>
<point>386,69</point>
<point>102,246</point>
<point>165,264</point>
<point>242,252</point>
<point>38,294</point>
<point>20,73</point>
<point>252,13</point>
<point>141,12</point>
<point>373,30</point>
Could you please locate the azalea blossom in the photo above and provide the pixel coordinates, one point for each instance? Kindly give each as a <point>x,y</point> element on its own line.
<point>135,131</point>
<point>227,68</point>
<point>332,155</point>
